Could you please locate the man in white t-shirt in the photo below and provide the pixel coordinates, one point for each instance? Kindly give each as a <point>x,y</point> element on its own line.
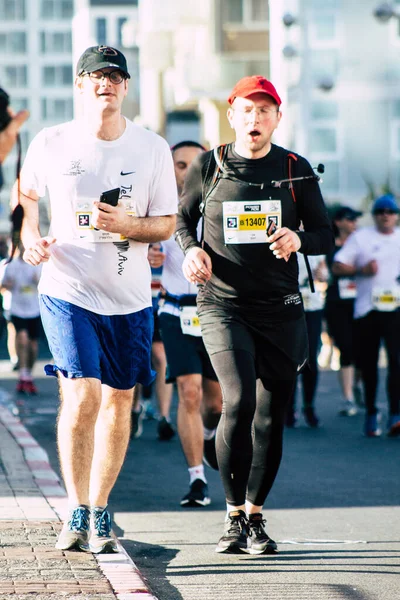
<point>372,254</point>
<point>95,291</point>
<point>21,280</point>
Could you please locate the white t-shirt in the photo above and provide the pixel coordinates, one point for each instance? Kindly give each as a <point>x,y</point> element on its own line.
<point>22,281</point>
<point>173,279</point>
<point>360,248</point>
<point>95,270</point>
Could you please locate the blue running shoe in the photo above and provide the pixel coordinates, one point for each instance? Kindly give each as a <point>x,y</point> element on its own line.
<point>101,539</point>
<point>75,532</point>
<point>372,428</point>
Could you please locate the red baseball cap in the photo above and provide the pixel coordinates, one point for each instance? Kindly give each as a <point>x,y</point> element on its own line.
<point>251,85</point>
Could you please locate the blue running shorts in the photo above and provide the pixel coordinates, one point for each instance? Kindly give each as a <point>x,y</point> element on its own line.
<point>115,349</point>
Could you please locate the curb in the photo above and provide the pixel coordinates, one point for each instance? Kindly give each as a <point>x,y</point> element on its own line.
<point>125,578</point>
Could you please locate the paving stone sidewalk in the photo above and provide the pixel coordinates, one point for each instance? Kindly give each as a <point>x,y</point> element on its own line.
<point>32,504</point>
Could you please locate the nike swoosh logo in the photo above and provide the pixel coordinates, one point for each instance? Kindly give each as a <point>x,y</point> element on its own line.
<point>127,173</point>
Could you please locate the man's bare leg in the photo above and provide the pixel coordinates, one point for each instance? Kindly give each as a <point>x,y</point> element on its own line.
<point>112,434</point>
<point>80,404</point>
<point>163,390</point>
<point>190,423</point>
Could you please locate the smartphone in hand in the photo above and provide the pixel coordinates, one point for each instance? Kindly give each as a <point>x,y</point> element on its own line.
<point>111,196</point>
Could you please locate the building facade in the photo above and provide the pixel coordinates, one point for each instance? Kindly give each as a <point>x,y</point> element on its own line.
<point>191,55</point>
<point>35,70</point>
<point>339,71</point>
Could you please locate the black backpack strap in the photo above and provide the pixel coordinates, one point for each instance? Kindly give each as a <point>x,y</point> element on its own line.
<point>213,171</point>
<point>290,158</point>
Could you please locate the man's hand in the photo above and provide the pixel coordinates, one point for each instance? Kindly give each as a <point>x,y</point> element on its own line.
<point>197,267</point>
<point>8,136</point>
<point>110,218</point>
<point>39,252</point>
<point>371,268</point>
<point>283,242</point>
<point>155,256</point>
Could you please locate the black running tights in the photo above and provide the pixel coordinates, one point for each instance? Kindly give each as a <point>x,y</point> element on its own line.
<point>250,432</point>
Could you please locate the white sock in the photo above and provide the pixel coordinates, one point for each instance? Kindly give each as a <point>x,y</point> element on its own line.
<point>25,374</point>
<point>230,508</point>
<point>197,473</point>
<point>209,433</point>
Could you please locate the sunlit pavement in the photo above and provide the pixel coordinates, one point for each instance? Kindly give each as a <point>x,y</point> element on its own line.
<point>334,511</point>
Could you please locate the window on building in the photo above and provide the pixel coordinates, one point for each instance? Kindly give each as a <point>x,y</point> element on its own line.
<point>12,10</point>
<point>15,76</point>
<point>120,24</point>
<point>324,109</point>
<point>323,139</point>
<point>101,31</point>
<point>56,76</point>
<point>57,9</point>
<point>20,103</point>
<point>244,12</point>
<point>324,63</point>
<point>57,42</point>
<point>56,109</point>
<point>324,27</point>
<point>13,42</point>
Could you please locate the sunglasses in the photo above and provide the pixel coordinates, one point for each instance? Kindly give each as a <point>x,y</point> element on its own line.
<point>384,211</point>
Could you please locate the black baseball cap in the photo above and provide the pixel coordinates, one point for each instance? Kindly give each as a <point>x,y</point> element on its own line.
<point>346,212</point>
<point>100,57</point>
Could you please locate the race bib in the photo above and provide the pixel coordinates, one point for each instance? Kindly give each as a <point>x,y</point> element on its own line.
<point>190,323</point>
<point>86,231</point>
<point>347,288</point>
<point>386,300</point>
<point>27,290</point>
<point>247,222</point>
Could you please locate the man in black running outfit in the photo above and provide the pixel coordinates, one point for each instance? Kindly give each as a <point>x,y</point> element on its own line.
<point>250,308</point>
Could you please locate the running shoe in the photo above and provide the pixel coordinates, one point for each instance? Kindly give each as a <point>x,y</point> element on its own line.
<point>236,531</point>
<point>165,431</point>
<point>137,423</point>
<point>259,541</point>
<point>197,495</point>
<point>372,428</point>
<point>210,454</point>
<point>20,387</point>
<point>75,532</point>
<point>394,426</point>
<point>30,388</point>
<point>101,539</point>
<point>310,417</point>
<point>348,408</point>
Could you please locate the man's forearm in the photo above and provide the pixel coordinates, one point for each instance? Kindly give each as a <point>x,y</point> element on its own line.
<point>341,269</point>
<point>30,225</point>
<point>150,229</point>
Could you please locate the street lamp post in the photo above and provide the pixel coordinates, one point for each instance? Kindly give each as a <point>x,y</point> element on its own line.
<point>386,11</point>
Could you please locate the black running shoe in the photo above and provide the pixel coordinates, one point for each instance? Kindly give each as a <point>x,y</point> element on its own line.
<point>259,541</point>
<point>197,495</point>
<point>235,535</point>
<point>165,431</point>
<point>210,454</point>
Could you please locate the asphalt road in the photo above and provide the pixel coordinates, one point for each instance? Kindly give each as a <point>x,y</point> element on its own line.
<point>334,510</point>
